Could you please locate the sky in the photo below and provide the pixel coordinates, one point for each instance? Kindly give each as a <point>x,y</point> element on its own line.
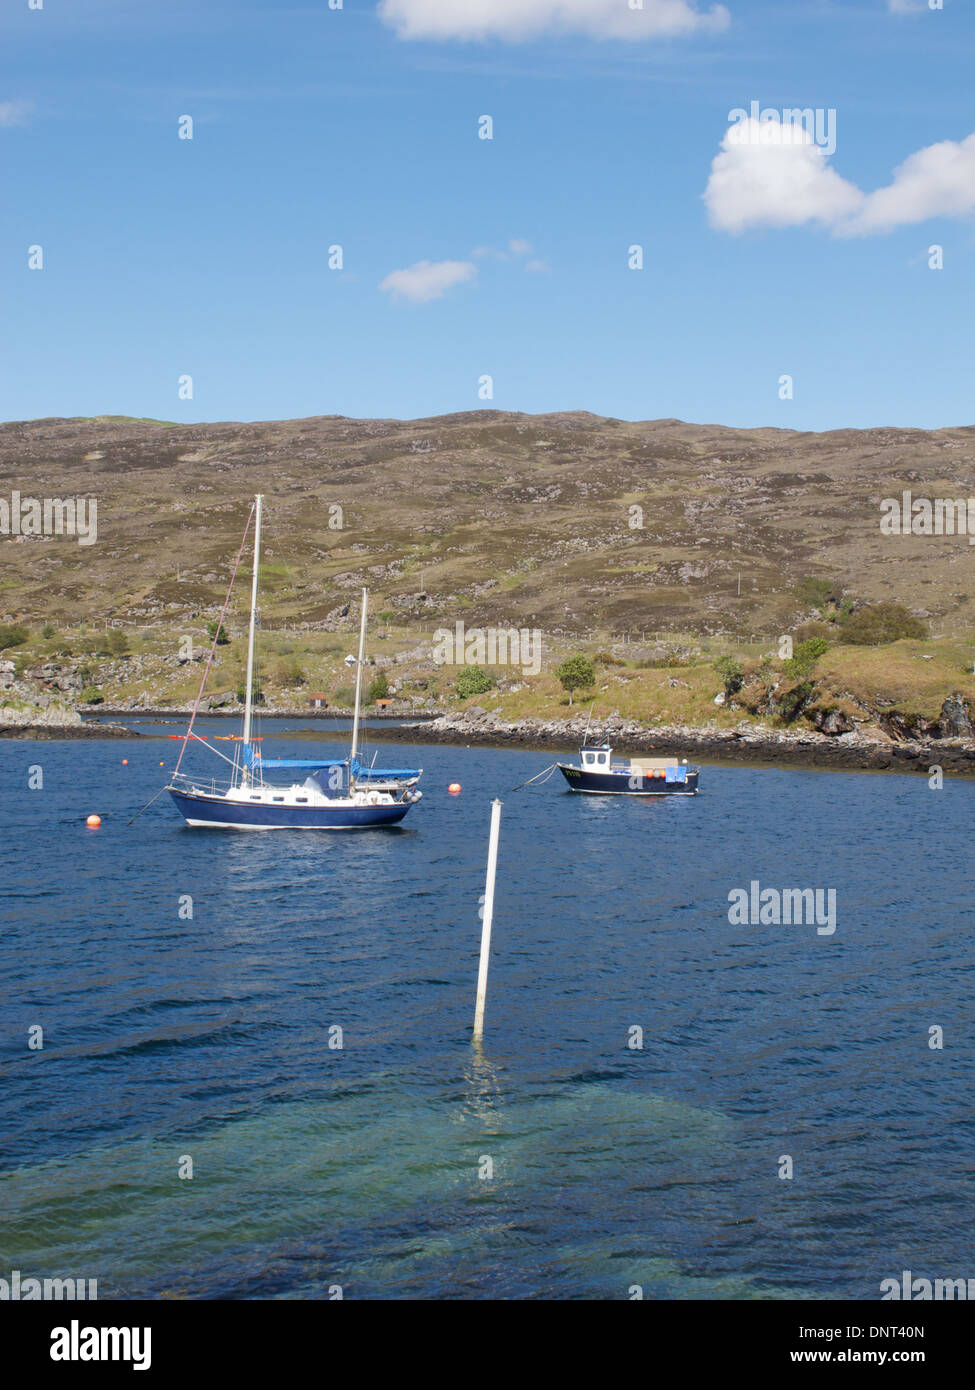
<point>339,238</point>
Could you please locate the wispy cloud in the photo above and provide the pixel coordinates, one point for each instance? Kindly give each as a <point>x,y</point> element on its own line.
<point>428,280</point>
<point>517,20</point>
<point>516,247</point>
<point>14,112</point>
<point>773,174</point>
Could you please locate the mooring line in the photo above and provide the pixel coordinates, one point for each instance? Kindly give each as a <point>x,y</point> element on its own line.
<point>544,770</point>
<point>147,805</point>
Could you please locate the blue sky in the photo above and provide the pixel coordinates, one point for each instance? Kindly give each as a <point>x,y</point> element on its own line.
<point>315,127</point>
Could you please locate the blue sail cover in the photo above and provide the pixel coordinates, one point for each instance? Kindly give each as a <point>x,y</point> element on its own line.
<point>364,773</point>
<point>252,758</point>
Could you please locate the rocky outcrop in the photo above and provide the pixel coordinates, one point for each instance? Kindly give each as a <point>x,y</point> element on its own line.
<point>746,743</point>
<point>54,721</point>
<point>955,720</point>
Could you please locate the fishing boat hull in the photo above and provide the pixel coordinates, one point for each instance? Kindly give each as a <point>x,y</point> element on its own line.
<point>220,813</point>
<point>624,783</point>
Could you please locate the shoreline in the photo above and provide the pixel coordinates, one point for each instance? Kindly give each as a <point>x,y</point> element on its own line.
<point>47,732</point>
<point>854,753</point>
<point>745,744</point>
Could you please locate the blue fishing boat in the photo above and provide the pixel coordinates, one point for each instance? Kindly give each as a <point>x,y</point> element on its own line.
<point>598,772</point>
<point>335,793</point>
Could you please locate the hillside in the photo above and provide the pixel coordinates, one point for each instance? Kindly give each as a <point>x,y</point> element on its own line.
<point>489,516</point>
<point>497,520</point>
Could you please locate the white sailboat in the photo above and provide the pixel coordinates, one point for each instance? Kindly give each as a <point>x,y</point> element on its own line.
<point>336,793</point>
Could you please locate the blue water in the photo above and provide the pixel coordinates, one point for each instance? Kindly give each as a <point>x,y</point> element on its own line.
<point>316,1166</point>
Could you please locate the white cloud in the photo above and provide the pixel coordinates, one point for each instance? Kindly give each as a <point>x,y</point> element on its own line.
<point>537,267</point>
<point>774,175</point>
<point>769,174</point>
<point>938,181</point>
<point>517,20</point>
<point>906,6</point>
<point>519,247</point>
<point>14,112</point>
<point>428,280</point>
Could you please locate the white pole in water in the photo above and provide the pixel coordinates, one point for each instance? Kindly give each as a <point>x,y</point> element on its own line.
<point>358,682</point>
<point>482,969</point>
<point>250,639</point>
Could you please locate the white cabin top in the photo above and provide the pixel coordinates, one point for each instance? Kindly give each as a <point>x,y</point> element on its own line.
<point>596,759</point>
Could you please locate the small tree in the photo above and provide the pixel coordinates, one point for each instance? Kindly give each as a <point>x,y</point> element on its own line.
<point>117,643</point>
<point>473,681</point>
<point>576,673</point>
<point>379,688</point>
<point>729,668</point>
<point>221,636</point>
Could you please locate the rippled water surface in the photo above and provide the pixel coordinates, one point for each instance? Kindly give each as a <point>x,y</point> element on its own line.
<point>362,1166</point>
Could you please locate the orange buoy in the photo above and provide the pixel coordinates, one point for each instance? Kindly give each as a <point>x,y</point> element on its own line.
<point>454,789</point>
<point>93,821</point>
<point>161,763</point>
<point>125,762</point>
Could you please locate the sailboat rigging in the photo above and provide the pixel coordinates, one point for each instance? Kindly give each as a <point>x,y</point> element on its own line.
<point>337,793</point>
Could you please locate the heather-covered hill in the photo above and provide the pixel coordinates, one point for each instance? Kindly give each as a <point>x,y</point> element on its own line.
<point>488,516</point>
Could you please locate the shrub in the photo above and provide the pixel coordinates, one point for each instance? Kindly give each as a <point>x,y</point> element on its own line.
<point>804,657</point>
<point>814,629</point>
<point>879,623</point>
<point>730,669</point>
<point>344,696</point>
<point>257,694</point>
<point>608,659</point>
<point>47,632</point>
<point>116,643</point>
<point>221,636</point>
<point>576,673</point>
<point>379,688</point>
<point>288,670</point>
<point>92,696</point>
<point>817,593</point>
<point>792,702</point>
<point>12,635</point>
<point>473,681</point>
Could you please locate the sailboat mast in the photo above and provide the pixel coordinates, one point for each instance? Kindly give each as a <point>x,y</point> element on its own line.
<point>249,695</point>
<point>358,681</point>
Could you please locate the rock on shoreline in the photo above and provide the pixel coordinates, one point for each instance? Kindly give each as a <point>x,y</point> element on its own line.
<point>747,743</point>
<point>55,722</point>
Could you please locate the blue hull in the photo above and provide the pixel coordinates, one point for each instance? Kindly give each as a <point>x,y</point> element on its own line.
<point>236,815</point>
<point>622,784</point>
